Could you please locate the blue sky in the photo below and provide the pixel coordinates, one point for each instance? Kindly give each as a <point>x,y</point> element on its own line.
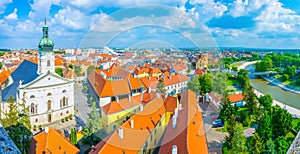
<point>231,23</point>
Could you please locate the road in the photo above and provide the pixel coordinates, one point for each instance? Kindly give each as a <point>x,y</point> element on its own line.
<point>215,140</point>
<point>81,104</point>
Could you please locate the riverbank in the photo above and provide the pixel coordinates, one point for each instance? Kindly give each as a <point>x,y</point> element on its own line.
<point>281,85</point>
<point>295,112</point>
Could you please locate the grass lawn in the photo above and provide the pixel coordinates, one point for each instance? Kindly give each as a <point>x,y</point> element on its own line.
<point>277,76</point>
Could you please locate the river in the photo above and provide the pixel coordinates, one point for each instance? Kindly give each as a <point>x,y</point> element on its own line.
<point>291,99</point>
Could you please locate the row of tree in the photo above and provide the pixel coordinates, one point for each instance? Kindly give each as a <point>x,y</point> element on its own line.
<point>208,82</point>
<point>273,122</point>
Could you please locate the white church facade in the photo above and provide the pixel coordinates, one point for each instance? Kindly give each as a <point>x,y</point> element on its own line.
<point>49,96</point>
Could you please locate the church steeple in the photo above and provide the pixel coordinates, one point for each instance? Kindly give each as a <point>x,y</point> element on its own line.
<point>46,55</point>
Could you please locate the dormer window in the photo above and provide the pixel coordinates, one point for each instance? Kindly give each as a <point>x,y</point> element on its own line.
<point>174,149</point>
<point>49,94</point>
<point>48,63</point>
<point>32,96</point>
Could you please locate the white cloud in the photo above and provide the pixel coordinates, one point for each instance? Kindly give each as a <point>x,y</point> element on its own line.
<point>204,10</point>
<point>72,18</point>
<point>276,18</point>
<point>239,8</point>
<point>12,16</point>
<point>91,5</point>
<point>41,8</point>
<point>3,4</point>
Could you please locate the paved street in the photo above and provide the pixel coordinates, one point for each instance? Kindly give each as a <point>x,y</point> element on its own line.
<point>215,139</point>
<point>81,105</point>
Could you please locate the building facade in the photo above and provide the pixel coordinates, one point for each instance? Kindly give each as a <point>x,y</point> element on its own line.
<point>49,96</point>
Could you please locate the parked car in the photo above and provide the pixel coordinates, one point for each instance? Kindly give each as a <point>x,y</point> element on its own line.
<point>217,121</point>
<point>218,125</point>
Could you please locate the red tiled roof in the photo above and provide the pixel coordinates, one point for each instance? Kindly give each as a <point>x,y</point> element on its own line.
<point>236,98</point>
<point>52,142</point>
<point>134,139</point>
<point>189,134</point>
<point>123,104</point>
<point>170,103</point>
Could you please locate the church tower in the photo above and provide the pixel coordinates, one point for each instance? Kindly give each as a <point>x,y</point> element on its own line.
<point>46,54</point>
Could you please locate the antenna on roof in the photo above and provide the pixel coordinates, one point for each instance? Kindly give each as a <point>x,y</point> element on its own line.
<point>45,21</point>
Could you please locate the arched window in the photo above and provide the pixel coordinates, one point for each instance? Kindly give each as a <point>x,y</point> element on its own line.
<point>174,149</point>
<point>33,108</point>
<point>64,102</point>
<point>49,94</point>
<point>49,104</point>
<point>64,91</point>
<point>32,96</point>
<point>48,62</point>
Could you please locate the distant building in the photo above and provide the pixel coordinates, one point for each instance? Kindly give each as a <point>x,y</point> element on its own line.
<point>48,96</point>
<point>52,141</point>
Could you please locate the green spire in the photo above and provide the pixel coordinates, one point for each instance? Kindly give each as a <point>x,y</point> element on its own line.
<point>45,44</point>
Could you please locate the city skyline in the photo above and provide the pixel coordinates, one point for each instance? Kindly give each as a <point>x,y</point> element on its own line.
<point>232,23</point>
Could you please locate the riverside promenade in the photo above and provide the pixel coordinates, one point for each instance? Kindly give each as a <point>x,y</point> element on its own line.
<point>295,112</point>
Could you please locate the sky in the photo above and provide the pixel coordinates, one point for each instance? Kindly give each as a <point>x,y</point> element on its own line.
<point>129,23</point>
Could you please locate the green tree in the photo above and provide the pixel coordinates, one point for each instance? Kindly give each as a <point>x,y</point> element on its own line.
<point>94,122</point>
<point>281,145</point>
<point>265,65</point>
<point>290,71</point>
<point>281,121</point>
<point>59,71</point>
<point>1,65</point>
<point>161,87</point>
<point>194,85</point>
<point>266,101</point>
<point>256,144</point>
<point>17,124</point>
<point>250,98</point>
<point>90,69</point>
<point>73,136</point>
<point>264,129</point>
<point>71,66</point>
<point>219,83</point>
<point>284,77</point>
<point>269,147</point>
<point>242,77</point>
<point>188,70</point>
<point>238,140</point>
<point>227,109</point>
<point>11,117</point>
<point>78,70</point>
<point>205,83</point>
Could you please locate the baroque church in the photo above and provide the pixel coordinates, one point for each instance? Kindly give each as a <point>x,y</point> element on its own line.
<point>49,96</point>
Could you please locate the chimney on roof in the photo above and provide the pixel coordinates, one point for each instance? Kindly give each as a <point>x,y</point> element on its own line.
<point>132,124</point>
<point>120,132</point>
<point>46,130</point>
<point>129,97</point>
<point>158,95</point>
<point>141,108</point>
<point>180,106</point>
<point>149,89</point>
<point>174,121</point>
<point>117,99</point>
